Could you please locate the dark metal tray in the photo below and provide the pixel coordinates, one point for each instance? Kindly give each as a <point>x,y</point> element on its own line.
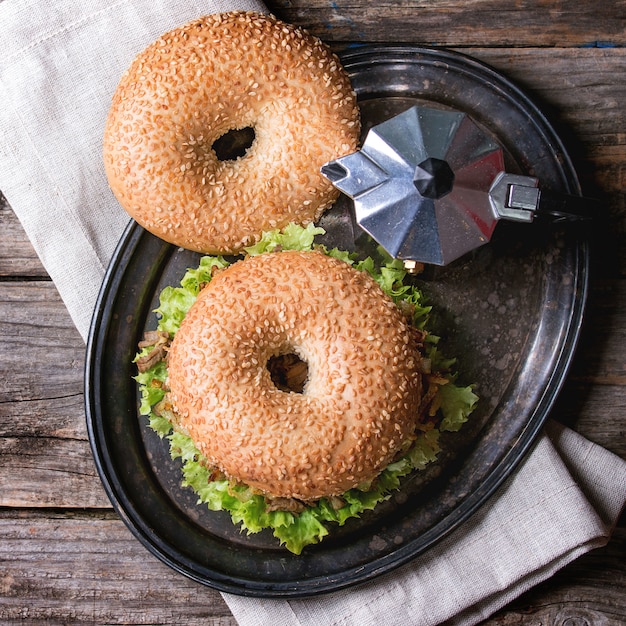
<point>511,312</point>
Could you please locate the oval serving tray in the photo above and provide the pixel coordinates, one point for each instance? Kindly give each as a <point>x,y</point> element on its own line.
<point>511,313</point>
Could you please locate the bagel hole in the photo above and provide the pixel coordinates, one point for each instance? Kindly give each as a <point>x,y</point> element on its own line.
<point>234,143</point>
<point>288,372</point>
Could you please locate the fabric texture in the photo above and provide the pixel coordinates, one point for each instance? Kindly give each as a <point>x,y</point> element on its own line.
<point>60,63</point>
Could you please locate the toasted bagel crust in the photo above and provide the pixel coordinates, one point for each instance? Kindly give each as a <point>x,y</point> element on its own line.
<point>359,404</point>
<point>225,72</point>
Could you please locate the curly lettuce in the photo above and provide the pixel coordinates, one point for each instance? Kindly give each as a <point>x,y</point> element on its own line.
<point>450,407</point>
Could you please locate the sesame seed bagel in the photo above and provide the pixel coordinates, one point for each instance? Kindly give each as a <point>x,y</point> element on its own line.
<point>358,408</point>
<point>228,72</point>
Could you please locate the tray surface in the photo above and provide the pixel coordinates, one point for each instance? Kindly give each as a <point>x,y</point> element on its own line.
<point>510,312</point>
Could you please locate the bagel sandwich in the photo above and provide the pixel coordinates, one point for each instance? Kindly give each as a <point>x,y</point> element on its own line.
<point>299,513</point>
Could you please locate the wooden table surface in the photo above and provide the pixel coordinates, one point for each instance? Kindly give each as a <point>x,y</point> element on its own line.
<point>65,557</point>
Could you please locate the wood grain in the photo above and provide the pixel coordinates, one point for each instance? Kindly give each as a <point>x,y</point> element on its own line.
<point>34,322</point>
<point>453,23</point>
<point>89,569</point>
<point>17,255</point>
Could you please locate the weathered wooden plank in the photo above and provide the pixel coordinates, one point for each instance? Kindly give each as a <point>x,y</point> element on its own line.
<point>578,90</point>
<point>61,418</point>
<point>600,357</point>
<point>42,353</point>
<point>591,410</point>
<point>48,472</point>
<point>536,23</point>
<point>45,458</point>
<point>17,255</point>
<point>87,568</point>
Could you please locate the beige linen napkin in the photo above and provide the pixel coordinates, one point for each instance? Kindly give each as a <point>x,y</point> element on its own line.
<point>60,61</point>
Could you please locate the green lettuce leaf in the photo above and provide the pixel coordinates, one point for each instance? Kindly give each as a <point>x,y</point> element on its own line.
<point>174,304</point>
<point>195,278</point>
<point>292,237</point>
<point>456,403</point>
<point>425,449</point>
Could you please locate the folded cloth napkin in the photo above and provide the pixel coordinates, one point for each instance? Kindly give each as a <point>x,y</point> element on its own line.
<point>60,63</point>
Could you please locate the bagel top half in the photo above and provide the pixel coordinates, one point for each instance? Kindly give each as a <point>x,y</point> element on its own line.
<point>198,83</point>
<point>359,405</point>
